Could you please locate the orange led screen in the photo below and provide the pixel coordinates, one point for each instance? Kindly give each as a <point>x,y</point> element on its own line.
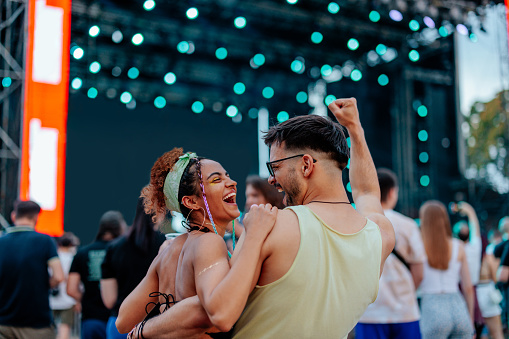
<point>45,111</point>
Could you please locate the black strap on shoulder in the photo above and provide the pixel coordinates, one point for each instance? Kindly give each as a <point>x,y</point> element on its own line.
<point>400,257</point>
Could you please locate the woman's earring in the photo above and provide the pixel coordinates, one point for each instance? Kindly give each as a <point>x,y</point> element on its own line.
<point>188,214</point>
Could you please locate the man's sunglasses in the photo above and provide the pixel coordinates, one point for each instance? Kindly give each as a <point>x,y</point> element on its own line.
<point>269,163</point>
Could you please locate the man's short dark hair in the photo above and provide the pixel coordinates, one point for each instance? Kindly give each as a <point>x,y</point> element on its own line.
<point>312,132</point>
<point>111,222</point>
<point>387,180</point>
<point>26,209</point>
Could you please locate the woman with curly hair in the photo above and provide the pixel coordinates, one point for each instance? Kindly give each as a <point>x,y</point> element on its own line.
<point>196,264</point>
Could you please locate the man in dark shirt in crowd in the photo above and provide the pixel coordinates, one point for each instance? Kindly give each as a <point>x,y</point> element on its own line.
<point>25,282</point>
<point>86,268</point>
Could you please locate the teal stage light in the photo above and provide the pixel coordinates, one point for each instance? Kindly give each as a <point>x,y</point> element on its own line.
<point>137,39</point>
<point>356,75</point>
<point>316,37</point>
<point>383,80</point>
<point>414,25</point>
<point>301,97</point>
<point>197,107</point>
<point>76,83</point>
<point>192,13</point>
<point>329,99</point>
<point>259,59</point>
<point>353,44</point>
<point>232,111</point>
<point>374,16</point>
<point>282,116</point>
<point>170,78</point>
<point>239,88</point>
<point>424,181</point>
<point>422,111</point>
<point>92,92</point>
<point>268,92</point>
<point>333,8</point>
<point>133,73</point>
<point>240,22</point>
<point>413,55</point>
<point>423,157</point>
<point>160,102</point>
<point>126,97</point>
<point>422,135</point>
<point>221,53</point>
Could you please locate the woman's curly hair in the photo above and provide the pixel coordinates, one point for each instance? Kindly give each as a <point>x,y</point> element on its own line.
<point>153,193</point>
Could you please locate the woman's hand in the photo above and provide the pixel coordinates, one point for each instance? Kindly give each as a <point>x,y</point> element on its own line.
<point>260,220</point>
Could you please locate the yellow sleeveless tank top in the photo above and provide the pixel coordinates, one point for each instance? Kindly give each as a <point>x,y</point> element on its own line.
<point>332,280</point>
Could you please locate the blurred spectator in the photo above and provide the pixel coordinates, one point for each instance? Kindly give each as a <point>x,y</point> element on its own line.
<point>395,313</point>
<point>86,268</point>
<point>126,263</point>
<point>444,311</point>
<point>25,281</point>
<point>470,233</point>
<point>62,304</point>
<point>494,238</point>
<point>258,191</point>
<point>487,294</point>
<point>501,252</point>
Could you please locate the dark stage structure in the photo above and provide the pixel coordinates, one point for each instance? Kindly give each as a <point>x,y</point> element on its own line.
<point>148,76</point>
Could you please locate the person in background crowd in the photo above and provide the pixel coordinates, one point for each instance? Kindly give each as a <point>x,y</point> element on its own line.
<point>488,295</point>
<point>444,311</point>
<point>62,304</point>
<point>86,268</point>
<point>258,192</point>
<point>25,257</point>
<point>503,272</point>
<point>470,233</point>
<point>126,263</point>
<point>395,313</point>
<point>503,228</point>
<point>494,238</point>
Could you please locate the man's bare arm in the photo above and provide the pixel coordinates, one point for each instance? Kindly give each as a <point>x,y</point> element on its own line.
<point>109,292</point>
<point>73,286</point>
<point>363,177</point>
<point>417,271</point>
<point>473,222</point>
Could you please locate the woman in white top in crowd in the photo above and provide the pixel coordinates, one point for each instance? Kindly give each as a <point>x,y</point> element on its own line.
<point>445,314</point>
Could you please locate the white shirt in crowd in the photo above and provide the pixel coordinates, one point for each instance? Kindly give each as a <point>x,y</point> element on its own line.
<point>397,301</point>
<point>473,251</point>
<point>62,301</point>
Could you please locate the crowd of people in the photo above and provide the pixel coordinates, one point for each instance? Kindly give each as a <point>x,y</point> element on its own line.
<point>320,268</point>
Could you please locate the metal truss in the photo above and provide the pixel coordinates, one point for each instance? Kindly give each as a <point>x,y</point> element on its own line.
<point>12,54</point>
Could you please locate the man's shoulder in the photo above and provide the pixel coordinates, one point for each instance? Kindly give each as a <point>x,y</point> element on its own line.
<point>287,217</point>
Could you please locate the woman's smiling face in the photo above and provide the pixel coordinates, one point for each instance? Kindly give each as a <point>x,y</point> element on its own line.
<point>220,191</point>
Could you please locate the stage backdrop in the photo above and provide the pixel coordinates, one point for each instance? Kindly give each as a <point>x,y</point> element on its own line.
<point>111,149</point>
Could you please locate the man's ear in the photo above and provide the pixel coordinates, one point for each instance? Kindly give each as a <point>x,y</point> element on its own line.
<point>13,217</point>
<point>308,165</point>
<point>191,202</point>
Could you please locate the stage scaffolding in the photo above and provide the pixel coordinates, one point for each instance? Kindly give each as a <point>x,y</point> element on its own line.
<point>12,54</point>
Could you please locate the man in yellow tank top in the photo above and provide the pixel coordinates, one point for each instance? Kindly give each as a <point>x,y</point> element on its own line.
<point>319,267</point>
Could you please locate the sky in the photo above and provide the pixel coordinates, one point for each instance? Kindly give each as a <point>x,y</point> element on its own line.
<point>483,65</point>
